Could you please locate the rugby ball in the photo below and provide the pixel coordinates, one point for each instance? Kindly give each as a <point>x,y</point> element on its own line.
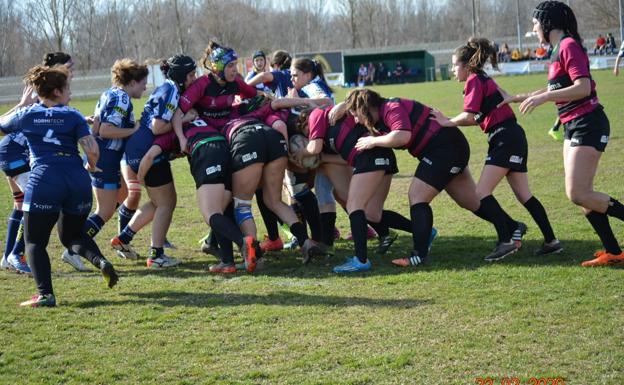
<point>297,142</point>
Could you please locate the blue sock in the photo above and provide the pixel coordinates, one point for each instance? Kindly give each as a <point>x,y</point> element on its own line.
<point>12,230</point>
<point>93,225</point>
<point>126,235</point>
<point>18,249</point>
<point>125,214</point>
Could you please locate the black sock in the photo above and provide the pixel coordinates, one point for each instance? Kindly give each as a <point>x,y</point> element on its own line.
<point>226,251</point>
<point>600,223</point>
<point>615,209</point>
<point>491,211</point>
<point>358,231</point>
<point>311,214</point>
<point>328,223</point>
<point>396,221</point>
<point>224,226</point>
<point>535,208</point>
<point>381,228</point>
<point>212,240</point>
<point>125,215</point>
<point>156,252</point>
<point>268,217</point>
<point>299,231</point>
<point>422,222</point>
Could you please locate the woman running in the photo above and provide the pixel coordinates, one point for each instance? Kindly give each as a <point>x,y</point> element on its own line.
<point>508,148</point>
<point>58,183</point>
<point>179,72</point>
<point>15,163</point>
<point>116,125</point>
<point>443,155</point>
<point>586,127</point>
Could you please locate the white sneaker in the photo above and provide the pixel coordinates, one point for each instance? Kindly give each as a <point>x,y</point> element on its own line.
<point>162,261</point>
<point>123,250</point>
<point>5,265</point>
<point>74,260</point>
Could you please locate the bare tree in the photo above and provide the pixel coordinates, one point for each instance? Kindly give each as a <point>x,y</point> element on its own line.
<point>54,17</point>
<point>349,10</point>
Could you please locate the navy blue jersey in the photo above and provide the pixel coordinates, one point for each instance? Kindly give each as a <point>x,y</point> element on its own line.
<point>316,89</point>
<point>14,152</point>
<point>52,132</point>
<point>114,107</point>
<point>281,83</point>
<point>161,104</point>
<point>261,86</point>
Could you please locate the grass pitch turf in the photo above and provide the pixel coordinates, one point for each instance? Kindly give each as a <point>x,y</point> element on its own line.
<point>453,321</point>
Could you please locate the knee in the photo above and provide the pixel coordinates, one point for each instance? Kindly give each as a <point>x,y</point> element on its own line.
<point>576,196</point>
<point>134,194</point>
<point>470,205</point>
<point>18,200</point>
<point>242,210</point>
<point>373,216</point>
<point>481,193</point>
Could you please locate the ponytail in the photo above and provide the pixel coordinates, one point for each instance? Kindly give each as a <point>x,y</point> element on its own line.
<point>282,59</point>
<point>47,79</point>
<point>476,53</point>
<point>205,60</point>
<point>360,102</point>
<point>312,66</point>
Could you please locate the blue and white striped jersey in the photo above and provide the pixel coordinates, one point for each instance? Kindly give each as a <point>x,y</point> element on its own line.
<point>114,107</point>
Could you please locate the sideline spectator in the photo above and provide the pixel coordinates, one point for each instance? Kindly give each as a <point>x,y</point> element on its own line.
<point>381,73</point>
<point>516,55</point>
<point>611,44</point>
<point>541,53</point>
<point>504,54</point>
<point>362,75</point>
<point>528,54</point>
<point>370,79</point>
<point>600,46</point>
<point>399,73</point>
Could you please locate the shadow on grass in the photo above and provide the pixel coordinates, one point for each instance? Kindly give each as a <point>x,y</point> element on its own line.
<point>281,298</point>
<point>448,253</point>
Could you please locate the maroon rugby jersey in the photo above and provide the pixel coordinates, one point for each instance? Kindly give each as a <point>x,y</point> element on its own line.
<point>570,62</point>
<point>408,115</point>
<point>212,101</point>
<point>339,138</point>
<point>481,96</point>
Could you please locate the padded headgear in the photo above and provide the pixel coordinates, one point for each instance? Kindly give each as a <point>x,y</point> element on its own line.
<point>550,15</point>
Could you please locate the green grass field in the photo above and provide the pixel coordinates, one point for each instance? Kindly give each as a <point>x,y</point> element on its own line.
<point>453,321</point>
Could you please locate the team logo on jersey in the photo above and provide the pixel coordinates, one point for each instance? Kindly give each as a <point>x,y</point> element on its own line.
<point>382,162</point>
<point>212,169</point>
<point>455,170</point>
<point>604,139</point>
<point>121,111</point>
<point>516,159</point>
<point>428,161</point>
<point>250,156</point>
<point>170,107</point>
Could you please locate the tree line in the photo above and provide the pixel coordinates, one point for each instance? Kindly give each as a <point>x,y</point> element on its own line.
<point>96,32</point>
